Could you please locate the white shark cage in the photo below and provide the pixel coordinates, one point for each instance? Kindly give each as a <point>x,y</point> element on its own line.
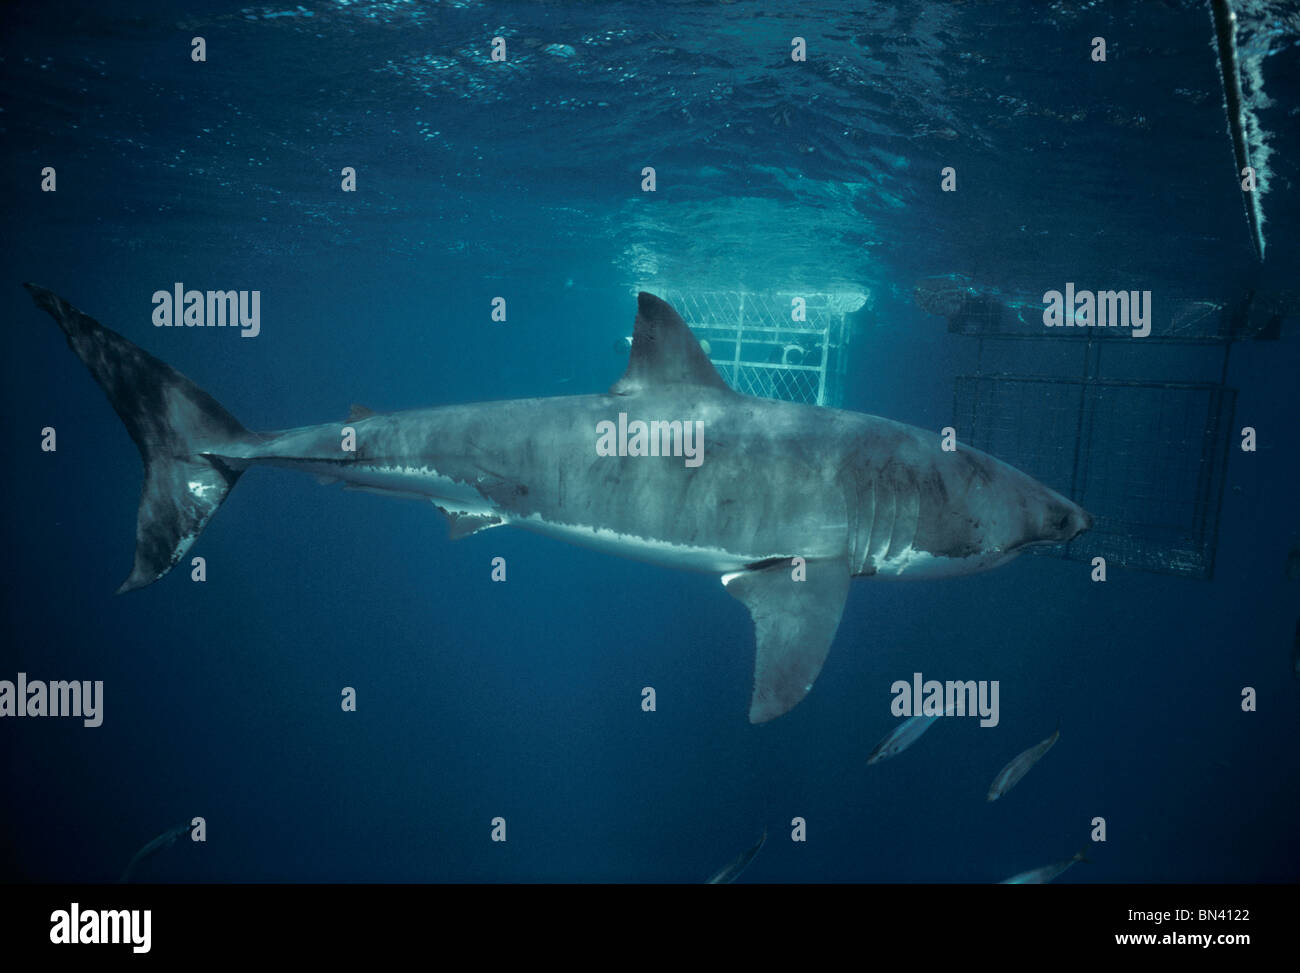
<point>1135,430</point>
<point>759,349</point>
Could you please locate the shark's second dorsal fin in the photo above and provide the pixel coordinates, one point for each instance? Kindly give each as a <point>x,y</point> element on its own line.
<point>664,352</point>
<point>357,411</point>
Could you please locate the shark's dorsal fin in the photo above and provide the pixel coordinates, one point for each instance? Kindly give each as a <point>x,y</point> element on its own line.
<point>356,411</point>
<point>664,352</point>
<point>794,625</point>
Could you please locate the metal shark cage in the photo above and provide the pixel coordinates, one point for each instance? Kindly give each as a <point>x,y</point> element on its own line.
<point>760,349</point>
<point>1136,430</point>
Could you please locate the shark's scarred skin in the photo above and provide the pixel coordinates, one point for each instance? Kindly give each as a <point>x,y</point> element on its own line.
<point>849,494</point>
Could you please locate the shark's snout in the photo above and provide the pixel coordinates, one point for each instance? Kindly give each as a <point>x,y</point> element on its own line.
<point>1055,520</point>
<point>1070,521</point>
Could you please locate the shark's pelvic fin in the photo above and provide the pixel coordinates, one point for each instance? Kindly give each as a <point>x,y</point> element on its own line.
<point>179,429</point>
<point>794,624</point>
<point>464,524</point>
<point>664,352</point>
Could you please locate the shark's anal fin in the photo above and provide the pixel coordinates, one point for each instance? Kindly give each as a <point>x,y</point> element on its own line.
<point>794,624</point>
<point>464,524</point>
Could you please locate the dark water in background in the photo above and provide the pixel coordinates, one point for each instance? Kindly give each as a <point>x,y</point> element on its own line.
<point>522,699</point>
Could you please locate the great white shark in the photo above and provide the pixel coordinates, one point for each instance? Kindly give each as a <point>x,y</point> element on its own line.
<point>788,503</point>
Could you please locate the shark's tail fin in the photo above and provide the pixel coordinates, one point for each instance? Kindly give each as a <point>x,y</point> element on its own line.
<point>177,427</point>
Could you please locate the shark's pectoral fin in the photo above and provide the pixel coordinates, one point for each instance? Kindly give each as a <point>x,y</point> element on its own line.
<point>794,624</point>
<point>464,524</point>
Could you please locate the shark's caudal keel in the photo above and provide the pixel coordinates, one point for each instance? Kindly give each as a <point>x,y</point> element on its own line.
<point>721,482</point>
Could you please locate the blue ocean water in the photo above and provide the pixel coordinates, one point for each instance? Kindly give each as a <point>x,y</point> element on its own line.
<point>522,179</point>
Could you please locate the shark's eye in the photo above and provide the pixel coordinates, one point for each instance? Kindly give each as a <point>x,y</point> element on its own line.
<point>1062,522</point>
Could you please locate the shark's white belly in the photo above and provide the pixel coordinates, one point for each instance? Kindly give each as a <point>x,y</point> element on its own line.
<point>457,497</point>
<point>912,565</point>
<point>452,496</point>
<point>684,557</point>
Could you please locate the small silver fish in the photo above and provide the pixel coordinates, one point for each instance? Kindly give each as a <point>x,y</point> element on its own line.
<point>1010,775</point>
<point>163,841</point>
<point>903,736</point>
<point>1041,876</point>
<point>728,873</point>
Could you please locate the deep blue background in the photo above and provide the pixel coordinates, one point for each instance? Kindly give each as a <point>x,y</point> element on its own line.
<point>522,180</point>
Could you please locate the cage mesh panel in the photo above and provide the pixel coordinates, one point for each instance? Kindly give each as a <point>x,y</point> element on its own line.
<point>759,350</point>
<point>1145,459</point>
